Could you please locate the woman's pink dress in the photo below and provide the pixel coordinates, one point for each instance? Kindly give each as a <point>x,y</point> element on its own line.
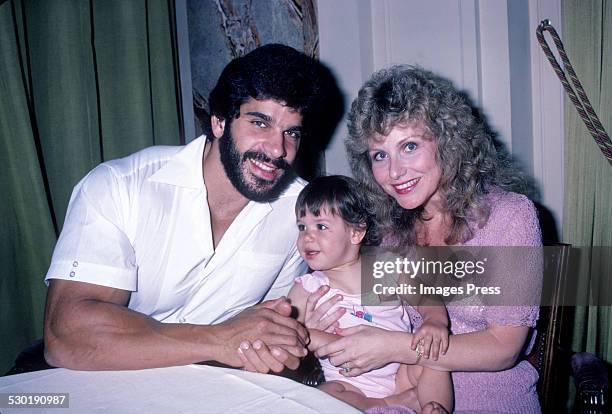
<point>513,222</point>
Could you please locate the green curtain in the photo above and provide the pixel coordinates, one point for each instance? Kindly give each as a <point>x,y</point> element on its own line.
<point>80,82</point>
<point>587,35</point>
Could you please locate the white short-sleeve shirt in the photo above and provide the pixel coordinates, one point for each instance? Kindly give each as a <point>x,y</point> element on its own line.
<point>142,223</point>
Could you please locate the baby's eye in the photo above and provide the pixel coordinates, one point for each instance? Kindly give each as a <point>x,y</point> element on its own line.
<point>301,227</point>
<point>322,227</point>
<point>379,156</point>
<point>410,146</point>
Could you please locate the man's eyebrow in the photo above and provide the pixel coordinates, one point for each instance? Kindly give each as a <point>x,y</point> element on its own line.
<point>297,128</point>
<point>265,117</point>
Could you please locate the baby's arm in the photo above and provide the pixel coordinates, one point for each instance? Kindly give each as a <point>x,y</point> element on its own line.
<point>298,298</point>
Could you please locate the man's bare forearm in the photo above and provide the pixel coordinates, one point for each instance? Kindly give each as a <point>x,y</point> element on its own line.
<point>89,327</point>
<point>94,335</point>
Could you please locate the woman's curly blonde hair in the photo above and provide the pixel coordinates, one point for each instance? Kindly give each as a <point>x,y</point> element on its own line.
<point>470,163</point>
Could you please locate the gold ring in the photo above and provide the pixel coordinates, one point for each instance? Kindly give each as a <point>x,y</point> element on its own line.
<point>419,350</point>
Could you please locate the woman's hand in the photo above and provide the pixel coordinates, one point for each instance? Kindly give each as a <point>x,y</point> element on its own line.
<point>364,348</point>
<point>320,338</point>
<point>434,337</point>
<point>316,317</point>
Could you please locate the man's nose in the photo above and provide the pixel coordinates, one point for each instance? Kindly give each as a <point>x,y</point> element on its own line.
<point>274,146</point>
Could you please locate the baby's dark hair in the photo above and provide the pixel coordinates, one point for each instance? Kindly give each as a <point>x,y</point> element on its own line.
<point>343,197</point>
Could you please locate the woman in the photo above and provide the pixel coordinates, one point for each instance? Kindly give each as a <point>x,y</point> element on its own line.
<point>438,179</point>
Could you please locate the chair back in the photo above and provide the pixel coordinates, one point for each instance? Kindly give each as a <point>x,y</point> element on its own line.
<point>549,354</point>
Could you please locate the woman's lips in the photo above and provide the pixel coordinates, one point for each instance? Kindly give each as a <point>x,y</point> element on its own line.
<point>406,187</point>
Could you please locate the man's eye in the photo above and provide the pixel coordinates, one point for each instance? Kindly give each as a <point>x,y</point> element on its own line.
<point>322,227</point>
<point>296,135</point>
<point>259,124</point>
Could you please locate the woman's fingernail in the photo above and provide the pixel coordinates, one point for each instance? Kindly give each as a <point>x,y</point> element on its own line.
<point>257,344</point>
<point>244,345</point>
<point>276,352</point>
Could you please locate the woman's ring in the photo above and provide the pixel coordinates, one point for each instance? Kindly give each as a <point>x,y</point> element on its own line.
<point>346,368</point>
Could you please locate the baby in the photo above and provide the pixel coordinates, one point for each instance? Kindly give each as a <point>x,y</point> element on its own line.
<point>333,222</point>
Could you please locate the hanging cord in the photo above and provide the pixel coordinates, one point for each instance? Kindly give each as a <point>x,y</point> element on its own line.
<point>581,102</point>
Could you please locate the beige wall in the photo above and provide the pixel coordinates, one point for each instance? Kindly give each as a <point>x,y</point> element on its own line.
<point>487,47</point>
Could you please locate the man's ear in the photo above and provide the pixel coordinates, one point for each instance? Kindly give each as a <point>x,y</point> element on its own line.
<point>358,233</point>
<point>218,126</point>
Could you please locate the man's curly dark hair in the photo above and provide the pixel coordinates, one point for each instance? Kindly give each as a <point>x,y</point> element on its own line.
<point>272,71</point>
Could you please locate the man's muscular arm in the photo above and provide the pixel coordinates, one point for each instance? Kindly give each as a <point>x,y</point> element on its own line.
<point>89,327</point>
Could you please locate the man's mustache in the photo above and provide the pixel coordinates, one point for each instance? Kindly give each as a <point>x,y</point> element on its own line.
<point>260,156</point>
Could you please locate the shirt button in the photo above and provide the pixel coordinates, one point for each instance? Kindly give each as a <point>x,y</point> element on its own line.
<point>72,274</point>
<point>75,263</point>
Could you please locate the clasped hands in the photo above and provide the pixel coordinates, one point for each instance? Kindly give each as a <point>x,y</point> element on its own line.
<point>266,338</point>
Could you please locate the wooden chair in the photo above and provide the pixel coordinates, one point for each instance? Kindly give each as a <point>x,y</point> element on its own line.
<point>551,355</point>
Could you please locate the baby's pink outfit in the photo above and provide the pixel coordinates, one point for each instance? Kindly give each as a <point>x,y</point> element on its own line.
<point>378,383</point>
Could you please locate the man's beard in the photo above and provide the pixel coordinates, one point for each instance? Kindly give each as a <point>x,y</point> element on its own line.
<point>233,163</point>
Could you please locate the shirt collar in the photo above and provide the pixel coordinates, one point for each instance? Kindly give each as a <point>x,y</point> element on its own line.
<point>184,168</point>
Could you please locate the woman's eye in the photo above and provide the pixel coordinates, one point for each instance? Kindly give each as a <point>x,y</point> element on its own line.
<point>321,227</point>
<point>301,227</point>
<point>379,156</point>
<point>410,146</point>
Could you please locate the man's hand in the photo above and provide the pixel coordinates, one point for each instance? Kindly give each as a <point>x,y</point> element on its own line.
<point>263,338</point>
<point>257,357</point>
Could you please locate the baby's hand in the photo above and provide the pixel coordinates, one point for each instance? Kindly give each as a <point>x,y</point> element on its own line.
<point>433,335</point>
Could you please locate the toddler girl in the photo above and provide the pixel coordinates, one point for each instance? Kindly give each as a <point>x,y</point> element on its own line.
<point>333,222</point>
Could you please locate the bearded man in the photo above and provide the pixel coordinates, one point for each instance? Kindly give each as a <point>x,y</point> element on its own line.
<point>166,255</point>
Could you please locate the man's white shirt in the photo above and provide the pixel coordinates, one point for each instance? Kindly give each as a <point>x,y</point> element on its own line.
<point>142,223</point>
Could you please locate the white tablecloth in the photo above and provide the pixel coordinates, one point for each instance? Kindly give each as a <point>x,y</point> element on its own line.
<point>187,389</point>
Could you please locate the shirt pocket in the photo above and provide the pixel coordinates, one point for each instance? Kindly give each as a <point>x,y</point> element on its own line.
<point>253,275</point>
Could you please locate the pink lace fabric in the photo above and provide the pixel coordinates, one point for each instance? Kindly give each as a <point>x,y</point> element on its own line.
<point>513,222</point>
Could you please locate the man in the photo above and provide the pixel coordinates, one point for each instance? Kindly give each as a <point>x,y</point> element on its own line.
<point>165,254</point>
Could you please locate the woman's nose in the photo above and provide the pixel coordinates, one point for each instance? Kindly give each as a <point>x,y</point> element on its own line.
<point>396,169</point>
